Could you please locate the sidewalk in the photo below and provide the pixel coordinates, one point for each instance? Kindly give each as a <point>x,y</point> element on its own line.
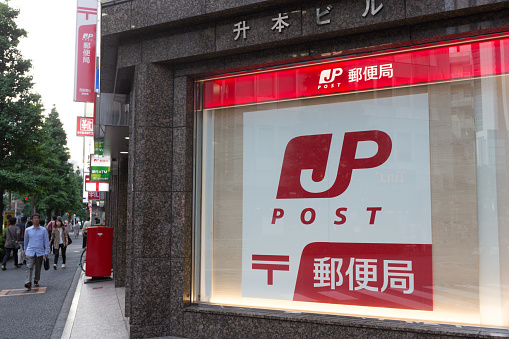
<point>97,311</point>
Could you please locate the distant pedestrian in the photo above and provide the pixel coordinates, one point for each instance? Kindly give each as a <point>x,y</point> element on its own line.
<point>76,229</point>
<point>84,232</point>
<point>59,241</point>
<point>36,247</point>
<point>21,252</point>
<point>51,224</point>
<point>11,236</point>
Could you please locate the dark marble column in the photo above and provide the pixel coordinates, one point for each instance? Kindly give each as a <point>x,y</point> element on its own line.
<point>120,228</point>
<point>150,206</point>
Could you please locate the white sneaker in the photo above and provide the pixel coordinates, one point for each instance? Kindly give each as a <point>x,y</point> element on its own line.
<point>63,265</point>
<point>55,266</point>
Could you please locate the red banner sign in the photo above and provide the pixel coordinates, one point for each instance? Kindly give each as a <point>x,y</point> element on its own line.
<point>94,195</point>
<point>86,23</point>
<point>85,127</point>
<point>380,275</point>
<point>401,67</point>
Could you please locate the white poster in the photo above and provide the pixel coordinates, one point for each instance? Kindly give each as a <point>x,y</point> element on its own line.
<point>336,203</point>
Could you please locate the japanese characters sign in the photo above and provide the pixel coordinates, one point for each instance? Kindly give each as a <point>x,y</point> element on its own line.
<point>99,168</point>
<point>357,73</point>
<point>336,203</point>
<point>85,127</point>
<point>94,195</point>
<point>99,147</point>
<point>86,23</point>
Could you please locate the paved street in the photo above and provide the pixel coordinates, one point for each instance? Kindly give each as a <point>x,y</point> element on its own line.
<point>34,314</point>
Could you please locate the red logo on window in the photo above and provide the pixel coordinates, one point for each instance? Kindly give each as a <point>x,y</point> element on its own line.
<point>310,152</point>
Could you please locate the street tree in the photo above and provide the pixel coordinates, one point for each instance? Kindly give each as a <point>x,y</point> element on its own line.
<point>20,112</point>
<point>60,186</point>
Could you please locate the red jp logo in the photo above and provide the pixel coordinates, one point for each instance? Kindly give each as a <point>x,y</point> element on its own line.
<point>310,152</point>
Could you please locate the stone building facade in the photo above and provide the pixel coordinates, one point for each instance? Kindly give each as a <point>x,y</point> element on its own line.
<point>152,52</point>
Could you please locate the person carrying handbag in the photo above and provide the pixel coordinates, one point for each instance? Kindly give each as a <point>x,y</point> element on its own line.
<point>59,240</point>
<point>11,236</point>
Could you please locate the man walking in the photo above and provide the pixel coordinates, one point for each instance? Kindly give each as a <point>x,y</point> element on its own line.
<point>36,246</point>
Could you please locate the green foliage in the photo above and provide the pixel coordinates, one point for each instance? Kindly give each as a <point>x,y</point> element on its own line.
<point>20,111</point>
<point>34,158</point>
<point>61,188</point>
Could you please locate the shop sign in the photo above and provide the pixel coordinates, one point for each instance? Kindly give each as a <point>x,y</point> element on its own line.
<point>322,18</point>
<point>320,223</point>
<point>99,147</point>
<point>99,168</point>
<point>398,68</point>
<point>7,215</point>
<point>94,195</point>
<point>96,186</point>
<point>85,127</point>
<point>86,32</point>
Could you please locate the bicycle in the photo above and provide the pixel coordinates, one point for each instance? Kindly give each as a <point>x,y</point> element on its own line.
<point>83,260</point>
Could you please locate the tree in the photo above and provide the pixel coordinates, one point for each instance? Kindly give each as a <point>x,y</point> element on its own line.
<point>61,191</point>
<point>20,112</point>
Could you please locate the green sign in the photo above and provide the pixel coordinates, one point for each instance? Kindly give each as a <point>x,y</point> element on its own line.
<point>99,168</point>
<point>99,147</point>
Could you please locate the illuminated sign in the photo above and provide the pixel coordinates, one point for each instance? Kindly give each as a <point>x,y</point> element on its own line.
<point>318,223</point>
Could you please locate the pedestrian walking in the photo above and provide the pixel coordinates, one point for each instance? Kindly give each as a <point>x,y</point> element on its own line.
<point>76,229</point>
<point>84,233</point>
<point>49,227</point>
<point>59,241</point>
<point>36,248</point>
<point>21,252</point>
<point>11,236</point>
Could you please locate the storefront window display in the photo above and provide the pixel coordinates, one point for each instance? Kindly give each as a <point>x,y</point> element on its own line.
<point>375,185</point>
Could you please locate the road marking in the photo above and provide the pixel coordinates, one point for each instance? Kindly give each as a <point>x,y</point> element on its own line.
<point>22,291</point>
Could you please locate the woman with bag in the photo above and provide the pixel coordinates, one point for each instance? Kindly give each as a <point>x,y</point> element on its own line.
<point>59,240</point>
<point>11,236</point>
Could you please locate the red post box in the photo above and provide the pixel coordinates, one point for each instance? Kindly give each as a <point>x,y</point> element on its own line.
<point>99,251</point>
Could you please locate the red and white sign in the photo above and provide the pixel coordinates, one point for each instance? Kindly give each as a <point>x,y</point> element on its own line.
<point>94,195</point>
<point>86,32</point>
<point>85,127</point>
<point>337,203</point>
<point>96,186</point>
<point>402,67</point>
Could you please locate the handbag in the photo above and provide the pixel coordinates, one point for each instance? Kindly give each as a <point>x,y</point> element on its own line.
<point>69,241</point>
<point>46,263</point>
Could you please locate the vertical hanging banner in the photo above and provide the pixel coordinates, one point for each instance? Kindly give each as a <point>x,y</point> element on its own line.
<point>86,27</point>
<point>99,147</point>
<point>85,127</point>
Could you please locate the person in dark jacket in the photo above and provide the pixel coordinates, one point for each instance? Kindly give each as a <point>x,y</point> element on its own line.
<point>12,237</point>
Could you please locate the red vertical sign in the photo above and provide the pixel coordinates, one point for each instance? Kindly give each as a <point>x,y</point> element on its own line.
<point>86,24</point>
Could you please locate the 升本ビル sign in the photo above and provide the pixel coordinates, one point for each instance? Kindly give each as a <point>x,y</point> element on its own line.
<point>347,186</point>
<point>86,27</point>
<point>99,168</point>
<point>85,127</point>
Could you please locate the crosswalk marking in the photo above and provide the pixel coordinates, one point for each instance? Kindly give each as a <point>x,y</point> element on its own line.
<point>22,291</point>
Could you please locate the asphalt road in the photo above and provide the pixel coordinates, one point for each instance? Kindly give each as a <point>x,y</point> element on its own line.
<point>33,315</point>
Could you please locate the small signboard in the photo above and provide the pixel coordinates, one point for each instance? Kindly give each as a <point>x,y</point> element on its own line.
<point>96,186</point>
<point>93,195</point>
<point>100,168</point>
<point>85,127</point>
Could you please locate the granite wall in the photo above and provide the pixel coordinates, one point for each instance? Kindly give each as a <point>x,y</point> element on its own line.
<point>169,44</point>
